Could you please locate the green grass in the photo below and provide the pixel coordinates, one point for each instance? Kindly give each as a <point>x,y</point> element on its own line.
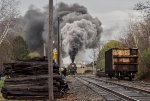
<point>1,83</point>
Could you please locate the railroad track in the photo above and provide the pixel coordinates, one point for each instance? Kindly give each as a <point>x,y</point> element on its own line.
<point>114,92</point>
<point>136,84</point>
<point>141,83</point>
<point>140,86</point>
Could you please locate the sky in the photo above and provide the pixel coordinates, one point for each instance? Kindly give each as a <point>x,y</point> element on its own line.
<point>114,14</point>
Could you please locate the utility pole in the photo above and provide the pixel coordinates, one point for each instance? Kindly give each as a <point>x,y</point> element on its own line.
<point>44,50</point>
<point>50,52</point>
<point>58,58</point>
<point>61,61</point>
<point>93,60</point>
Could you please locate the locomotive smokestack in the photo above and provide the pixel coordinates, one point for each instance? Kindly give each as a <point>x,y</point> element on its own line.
<point>73,53</point>
<point>72,59</point>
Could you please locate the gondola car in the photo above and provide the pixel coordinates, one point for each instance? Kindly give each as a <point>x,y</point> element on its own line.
<point>121,63</point>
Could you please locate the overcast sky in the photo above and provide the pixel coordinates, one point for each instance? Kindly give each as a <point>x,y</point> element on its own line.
<point>114,14</point>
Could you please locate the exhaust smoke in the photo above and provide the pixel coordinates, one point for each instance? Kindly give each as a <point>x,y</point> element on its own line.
<point>79,30</point>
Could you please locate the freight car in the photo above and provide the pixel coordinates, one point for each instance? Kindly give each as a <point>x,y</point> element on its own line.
<point>72,69</point>
<point>121,63</point>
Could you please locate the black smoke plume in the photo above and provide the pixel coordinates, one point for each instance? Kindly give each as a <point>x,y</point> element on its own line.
<point>79,30</point>
<point>33,28</point>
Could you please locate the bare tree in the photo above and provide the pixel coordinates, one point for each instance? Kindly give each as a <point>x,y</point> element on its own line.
<point>93,56</point>
<point>8,15</point>
<point>142,6</point>
<point>137,34</point>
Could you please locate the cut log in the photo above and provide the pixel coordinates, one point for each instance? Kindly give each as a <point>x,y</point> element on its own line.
<point>28,80</point>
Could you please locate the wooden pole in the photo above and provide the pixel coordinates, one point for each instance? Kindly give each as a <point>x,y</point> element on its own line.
<point>50,52</point>
<point>58,54</point>
<point>61,61</point>
<point>44,50</point>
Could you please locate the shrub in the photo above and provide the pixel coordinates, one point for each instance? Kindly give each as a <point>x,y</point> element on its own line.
<point>146,58</point>
<point>88,71</point>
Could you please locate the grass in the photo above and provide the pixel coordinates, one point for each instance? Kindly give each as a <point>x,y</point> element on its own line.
<point>1,98</point>
<point>1,83</point>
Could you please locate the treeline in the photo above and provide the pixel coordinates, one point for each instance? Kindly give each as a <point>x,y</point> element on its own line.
<point>12,45</point>
<point>137,35</point>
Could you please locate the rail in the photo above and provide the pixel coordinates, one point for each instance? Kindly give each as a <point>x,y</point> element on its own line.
<point>115,91</point>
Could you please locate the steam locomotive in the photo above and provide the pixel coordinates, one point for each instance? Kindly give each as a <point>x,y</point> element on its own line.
<point>72,69</point>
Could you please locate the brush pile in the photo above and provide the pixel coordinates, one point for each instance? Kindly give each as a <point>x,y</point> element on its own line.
<point>28,80</point>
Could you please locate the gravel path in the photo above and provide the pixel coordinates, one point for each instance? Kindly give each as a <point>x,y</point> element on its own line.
<point>80,92</point>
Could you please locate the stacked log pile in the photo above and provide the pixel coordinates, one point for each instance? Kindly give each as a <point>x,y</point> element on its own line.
<point>29,81</point>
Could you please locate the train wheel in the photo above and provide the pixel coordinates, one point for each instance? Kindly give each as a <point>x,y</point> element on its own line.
<point>110,75</point>
<point>122,78</point>
<point>119,76</point>
<point>130,78</point>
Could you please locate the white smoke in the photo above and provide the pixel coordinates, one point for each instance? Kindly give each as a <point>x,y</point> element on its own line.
<point>83,30</point>
<point>79,30</point>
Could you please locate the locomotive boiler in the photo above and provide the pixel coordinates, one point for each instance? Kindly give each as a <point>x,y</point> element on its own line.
<point>72,69</point>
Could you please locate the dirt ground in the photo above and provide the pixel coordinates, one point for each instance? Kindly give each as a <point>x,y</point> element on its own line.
<point>80,92</point>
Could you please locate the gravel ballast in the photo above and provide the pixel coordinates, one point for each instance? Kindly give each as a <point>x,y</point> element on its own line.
<point>80,92</point>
